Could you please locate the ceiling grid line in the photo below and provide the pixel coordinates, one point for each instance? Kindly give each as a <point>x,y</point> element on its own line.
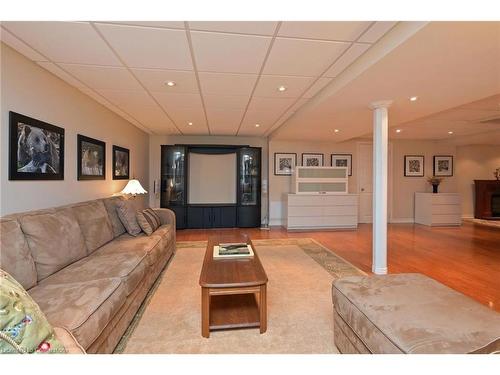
<point>258,76</point>
<point>135,77</point>
<point>195,68</point>
<point>273,127</point>
<point>141,125</point>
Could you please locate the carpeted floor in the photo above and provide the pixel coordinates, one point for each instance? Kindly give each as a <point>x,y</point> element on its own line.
<point>300,319</point>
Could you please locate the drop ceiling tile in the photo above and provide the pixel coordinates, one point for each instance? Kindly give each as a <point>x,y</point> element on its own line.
<point>155,79</point>
<point>65,42</point>
<point>264,118</point>
<point>20,46</point>
<point>329,30</point>
<point>295,86</point>
<point>165,24</point>
<point>347,59</point>
<point>226,101</point>
<point>224,122</point>
<point>317,87</point>
<point>376,31</point>
<point>182,118</point>
<point>226,84</point>
<point>103,77</point>
<point>172,102</point>
<point>229,53</point>
<point>57,71</point>
<point>297,105</point>
<point>142,47</point>
<point>128,99</point>
<point>302,57</point>
<point>153,117</point>
<point>243,27</point>
<point>270,104</point>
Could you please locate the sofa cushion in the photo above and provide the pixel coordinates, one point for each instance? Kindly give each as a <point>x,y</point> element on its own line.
<point>151,246</point>
<point>55,240</point>
<point>85,308</point>
<point>127,214</point>
<point>148,220</point>
<point>130,268</point>
<point>69,342</point>
<point>412,313</point>
<point>166,231</point>
<point>94,223</point>
<point>110,204</point>
<point>23,326</point>
<point>15,255</point>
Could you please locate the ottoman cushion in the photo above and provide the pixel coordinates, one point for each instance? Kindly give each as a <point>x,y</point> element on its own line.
<point>411,313</point>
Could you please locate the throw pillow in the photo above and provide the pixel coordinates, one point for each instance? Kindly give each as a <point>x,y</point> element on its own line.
<point>148,220</point>
<point>23,326</point>
<point>127,214</point>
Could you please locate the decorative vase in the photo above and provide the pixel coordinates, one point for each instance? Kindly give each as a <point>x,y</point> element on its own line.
<point>435,188</point>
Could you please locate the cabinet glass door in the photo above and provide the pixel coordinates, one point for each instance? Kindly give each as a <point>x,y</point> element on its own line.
<point>249,176</point>
<point>173,176</point>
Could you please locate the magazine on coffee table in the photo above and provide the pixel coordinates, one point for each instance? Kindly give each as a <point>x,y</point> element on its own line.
<point>233,250</point>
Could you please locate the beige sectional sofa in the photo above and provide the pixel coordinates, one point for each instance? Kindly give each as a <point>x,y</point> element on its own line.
<point>86,273</point>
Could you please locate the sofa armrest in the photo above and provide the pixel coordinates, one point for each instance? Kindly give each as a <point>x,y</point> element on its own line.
<point>166,216</point>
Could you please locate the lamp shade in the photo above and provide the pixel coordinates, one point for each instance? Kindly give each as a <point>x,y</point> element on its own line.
<point>134,187</point>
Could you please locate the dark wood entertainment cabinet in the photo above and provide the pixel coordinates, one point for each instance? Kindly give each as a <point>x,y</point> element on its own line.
<point>485,190</point>
<point>245,213</point>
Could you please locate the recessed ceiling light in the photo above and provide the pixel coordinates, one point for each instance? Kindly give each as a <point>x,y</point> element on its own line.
<point>282,88</point>
<point>170,83</point>
<point>398,130</point>
<point>257,125</point>
<point>413,98</point>
<point>190,123</point>
<point>336,130</point>
<point>450,132</point>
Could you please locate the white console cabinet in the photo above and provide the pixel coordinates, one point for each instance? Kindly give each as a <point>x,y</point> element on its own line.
<point>321,211</point>
<point>441,209</point>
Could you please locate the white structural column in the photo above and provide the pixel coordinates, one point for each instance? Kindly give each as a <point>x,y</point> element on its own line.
<point>380,182</point>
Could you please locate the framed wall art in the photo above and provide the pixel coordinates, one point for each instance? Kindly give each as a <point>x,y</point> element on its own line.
<point>91,158</point>
<point>36,149</point>
<point>342,160</point>
<point>121,163</point>
<point>414,165</point>
<point>284,163</point>
<point>443,165</point>
<point>312,160</point>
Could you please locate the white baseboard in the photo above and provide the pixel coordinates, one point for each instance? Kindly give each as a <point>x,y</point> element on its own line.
<point>276,222</point>
<point>408,220</point>
<point>467,216</point>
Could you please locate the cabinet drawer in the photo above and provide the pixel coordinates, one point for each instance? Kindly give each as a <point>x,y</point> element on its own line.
<point>340,210</point>
<point>298,221</point>
<point>445,199</point>
<point>305,211</point>
<point>446,209</point>
<point>305,200</point>
<point>340,200</point>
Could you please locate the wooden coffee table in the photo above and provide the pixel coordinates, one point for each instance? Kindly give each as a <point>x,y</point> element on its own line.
<point>229,289</point>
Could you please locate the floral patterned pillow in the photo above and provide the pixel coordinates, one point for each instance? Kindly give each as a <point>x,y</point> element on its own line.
<point>23,326</point>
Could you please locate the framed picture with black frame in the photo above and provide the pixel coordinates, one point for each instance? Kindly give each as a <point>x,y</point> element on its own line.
<point>312,160</point>
<point>91,158</point>
<point>284,163</point>
<point>36,149</point>
<point>414,166</point>
<point>443,165</point>
<point>121,163</point>
<point>342,160</point>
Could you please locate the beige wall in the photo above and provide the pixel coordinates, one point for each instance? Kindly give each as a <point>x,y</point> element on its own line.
<point>155,143</point>
<point>475,162</point>
<point>28,89</point>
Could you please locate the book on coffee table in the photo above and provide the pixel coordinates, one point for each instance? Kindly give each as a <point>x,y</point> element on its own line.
<point>233,250</point>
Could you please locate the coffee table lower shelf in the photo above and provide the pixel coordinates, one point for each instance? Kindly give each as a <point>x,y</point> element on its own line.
<point>229,308</point>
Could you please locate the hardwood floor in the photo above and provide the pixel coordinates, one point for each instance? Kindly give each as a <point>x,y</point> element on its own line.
<point>465,258</point>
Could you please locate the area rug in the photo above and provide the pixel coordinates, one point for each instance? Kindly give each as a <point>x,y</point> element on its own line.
<point>300,312</point>
<point>488,223</point>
